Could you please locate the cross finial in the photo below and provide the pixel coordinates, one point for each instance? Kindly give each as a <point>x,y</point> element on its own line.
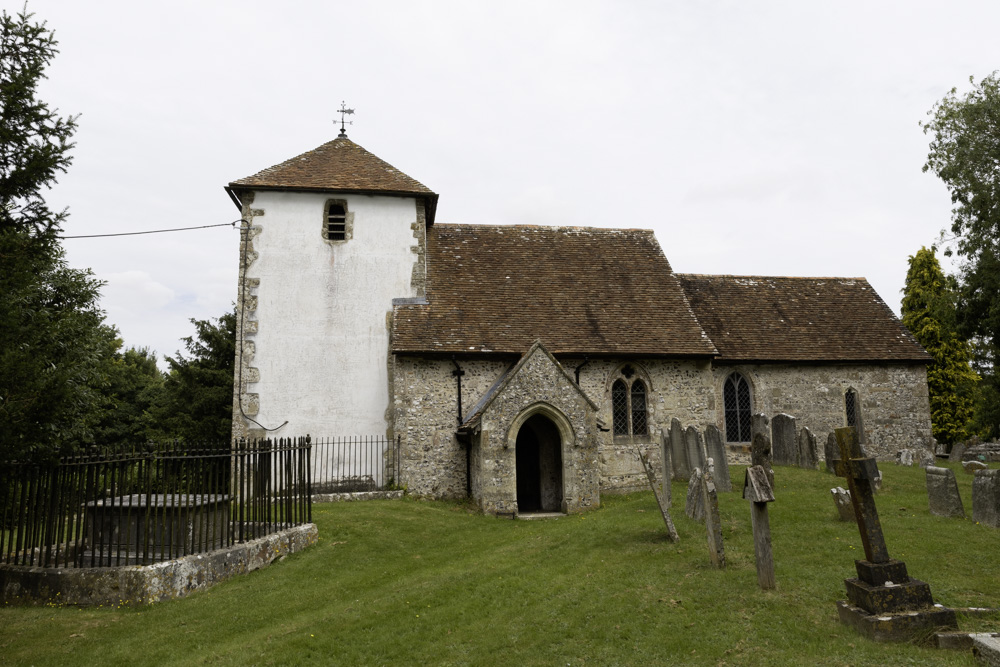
<point>344,111</point>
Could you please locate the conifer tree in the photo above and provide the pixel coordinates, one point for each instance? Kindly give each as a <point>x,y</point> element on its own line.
<point>929,314</point>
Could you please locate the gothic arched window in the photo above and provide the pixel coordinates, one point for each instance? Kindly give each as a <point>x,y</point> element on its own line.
<point>629,405</point>
<point>738,408</point>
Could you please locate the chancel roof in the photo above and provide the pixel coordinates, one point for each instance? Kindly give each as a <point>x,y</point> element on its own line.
<point>337,166</point>
<point>770,319</point>
<point>583,290</point>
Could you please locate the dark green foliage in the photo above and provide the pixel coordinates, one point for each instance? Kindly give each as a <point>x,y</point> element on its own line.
<point>134,385</point>
<point>965,154</point>
<point>929,314</point>
<point>34,139</point>
<point>197,402</point>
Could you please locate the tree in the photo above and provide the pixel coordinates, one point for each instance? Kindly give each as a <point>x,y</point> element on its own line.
<point>197,403</point>
<point>929,314</point>
<point>134,386</point>
<point>965,154</point>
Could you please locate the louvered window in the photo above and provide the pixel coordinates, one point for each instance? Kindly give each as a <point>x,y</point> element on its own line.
<point>738,408</point>
<point>336,225</point>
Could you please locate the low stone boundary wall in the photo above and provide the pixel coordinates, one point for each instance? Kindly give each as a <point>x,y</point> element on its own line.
<point>146,584</point>
<point>357,495</point>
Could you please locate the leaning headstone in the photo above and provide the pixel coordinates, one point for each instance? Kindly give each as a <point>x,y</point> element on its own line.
<point>678,457</point>
<point>885,604</point>
<point>713,523</point>
<point>830,453</point>
<point>663,503</point>
<point>986,497</point>
<point>904,457</point>
<point>757,490</point>
<point>783,445</point>
<point>957,450</point>
<point>668,468</point>
<point>760,455</point>
<point>807,450</point>
<point>942,492</point>
<point>842,500</point>
<point>694,448</point>
<point>694,505</point>
<point>972,466</point>
<point>717,452</point>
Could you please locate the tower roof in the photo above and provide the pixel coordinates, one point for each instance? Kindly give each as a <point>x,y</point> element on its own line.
<point>338,166</point>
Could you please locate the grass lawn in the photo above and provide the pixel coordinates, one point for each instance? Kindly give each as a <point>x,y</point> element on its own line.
<point>420,582</point>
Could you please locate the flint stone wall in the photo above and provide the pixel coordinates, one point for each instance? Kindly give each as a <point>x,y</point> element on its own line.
<point>893,399</point>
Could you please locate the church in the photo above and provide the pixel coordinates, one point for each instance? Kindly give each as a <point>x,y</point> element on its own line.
<point>526,366</point>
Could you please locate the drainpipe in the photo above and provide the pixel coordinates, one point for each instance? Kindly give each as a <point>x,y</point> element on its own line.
<point>586,360</point>
<point>457,374</point>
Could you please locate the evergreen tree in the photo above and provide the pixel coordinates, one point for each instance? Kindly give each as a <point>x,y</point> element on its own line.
<point>134,386</point>
<point>197,400</point>
<point>929,314</point>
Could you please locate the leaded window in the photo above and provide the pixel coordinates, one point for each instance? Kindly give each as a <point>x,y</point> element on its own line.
<point>738,408</point>
<point>628,405</point>
<point>851,407</point>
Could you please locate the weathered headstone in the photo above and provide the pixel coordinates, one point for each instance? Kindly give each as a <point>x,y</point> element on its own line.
<point>831,453</point>
<point>971,467</point>
<point>713,522</point>
<point>842,500</point>
<point>668,468</point>
<point>757,489</point>
<point>926,457</point>
<point>885,603</point>
<point>807,449</point>
<point>663,503</point>
<point>957,450</point>
<point>783,445</point>
<point>694,505</point>
<point>942,492</point>
<point>678,456</point>
<point>759,424</point>
<point>694,447</point>
<point>760,455</point>
<point>904,457</point>
<point>986,498</point>
<point>717,452</point>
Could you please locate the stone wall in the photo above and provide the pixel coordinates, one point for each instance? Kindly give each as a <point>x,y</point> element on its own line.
<point>894,407</point>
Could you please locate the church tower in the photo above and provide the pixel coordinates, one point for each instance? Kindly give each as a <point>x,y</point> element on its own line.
<point>329,239</point>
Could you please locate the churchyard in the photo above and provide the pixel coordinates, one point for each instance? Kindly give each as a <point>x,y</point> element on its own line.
<point>418,582</point>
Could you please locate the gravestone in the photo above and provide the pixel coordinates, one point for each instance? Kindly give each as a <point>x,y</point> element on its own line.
<point>759,424</point>
<point>757,490</point>
<point>713,522</point>
<point>942,492</point>
<point>986,498</point>
<point>678,457</point>
<point>842,500</point>
<point>717,452</point>
<point>807,450</point>
<point>661,501</point>
<point>830,453</point>
<point>926,457</point>
<point>904,457</point>
<point>668,468</point>
<point>971,467</point>
<point>885,604</point>
<point>694,505</point>
<point>694,448</point>
<point>784,448</point>
<point>760,455</point>
<point>957,450</point>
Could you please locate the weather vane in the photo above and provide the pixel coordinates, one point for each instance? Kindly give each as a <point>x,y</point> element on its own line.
<point>344,111</point>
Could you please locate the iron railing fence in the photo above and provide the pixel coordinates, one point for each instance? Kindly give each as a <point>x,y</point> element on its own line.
<point>155,503</point>
<point>355,463</point>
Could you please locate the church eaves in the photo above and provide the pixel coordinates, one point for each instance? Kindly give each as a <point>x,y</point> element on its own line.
<point>584,290</point>
<point>338,166</point>
<point>773,319</point>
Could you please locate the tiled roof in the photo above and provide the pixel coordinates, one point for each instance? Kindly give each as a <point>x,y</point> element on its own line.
<point>761,318</point>
<point>338,165</point>
<point>578,289</point>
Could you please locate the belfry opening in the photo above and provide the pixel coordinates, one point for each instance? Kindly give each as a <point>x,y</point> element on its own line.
<point>538,453</point>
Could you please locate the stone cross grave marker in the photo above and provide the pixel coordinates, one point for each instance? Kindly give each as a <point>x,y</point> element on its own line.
<point>663,503</point>
<point>757,490</point>
<point>885,603</point>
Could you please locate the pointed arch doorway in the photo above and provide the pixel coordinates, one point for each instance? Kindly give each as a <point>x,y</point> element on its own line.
<point>539,466</point>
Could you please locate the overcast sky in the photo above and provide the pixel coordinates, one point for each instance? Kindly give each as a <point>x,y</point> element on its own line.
<point>765,138</point>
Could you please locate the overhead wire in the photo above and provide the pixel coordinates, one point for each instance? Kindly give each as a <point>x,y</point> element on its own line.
<point>151,231</point>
